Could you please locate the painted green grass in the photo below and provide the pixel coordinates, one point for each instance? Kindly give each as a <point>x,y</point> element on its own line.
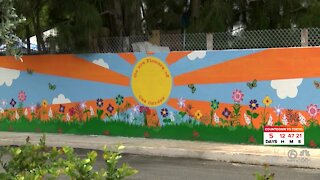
<point>184,131</point>
<point>312,133</point>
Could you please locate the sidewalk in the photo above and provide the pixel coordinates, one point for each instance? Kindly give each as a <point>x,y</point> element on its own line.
<point>248,154</point>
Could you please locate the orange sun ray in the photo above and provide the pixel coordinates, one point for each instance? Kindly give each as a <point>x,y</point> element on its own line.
<point>269,64</point>
<point>69,66</point>
<point>176,56</point>
<point>129,57</point>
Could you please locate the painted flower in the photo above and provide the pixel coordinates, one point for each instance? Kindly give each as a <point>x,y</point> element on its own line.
<point>119,99</point>
<point>214,104</point>
<point>198,114</point>
<point>164,112</point>
<point>284,120</point>
<point>13,102</point>
<point>68,117</point>
<point>3,103</point>
<point>22,96</point>
<point>181,102</point>
<point>312,110</point>
<point>110,108</point>
<point>1,110</point>
<point>136,109</point>
<point>50,114</point>
<point>91,111</point>
<point>216,118</point>
<point>267,101</point>
<point>247,119</point>
<point>253,104</point>
<point>278,110</point>
<point>26,112</point>
<point>99,102</point>
<point>32,108</point>
<point>62,108</point>
<point>17,116</point>
<point>72,111</point>
<point>83,105</point>
<point>144,109</point>
<point>302,119</point>
<point>44,103</point>
<point>270,121</point>
<point>226,113</point>
<point>237,96</point>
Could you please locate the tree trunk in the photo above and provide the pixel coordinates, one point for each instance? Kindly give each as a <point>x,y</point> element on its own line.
<point>40,33</point>
<point>28,38</point>
<point>195,11</point>
<point>37,26</point>
<point>36,33</point>
<point>118,17</point>
<point>133,18</point>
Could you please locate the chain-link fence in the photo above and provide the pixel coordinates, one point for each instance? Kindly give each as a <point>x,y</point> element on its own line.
<point>274,38</point>
<point>223,40</point>
<point>258,39</point>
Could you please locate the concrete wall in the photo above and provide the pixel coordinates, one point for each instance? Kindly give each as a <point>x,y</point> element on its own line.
<point>208,89</point>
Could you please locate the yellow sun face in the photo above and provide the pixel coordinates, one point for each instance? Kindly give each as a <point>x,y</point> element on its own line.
<point>151,82</point>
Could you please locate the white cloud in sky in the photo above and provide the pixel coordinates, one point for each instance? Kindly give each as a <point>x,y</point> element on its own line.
<point>101,63</point>
<point>286,87</point>
<point>61,99</point>
<point>196,55</point>
<point>8,75</point>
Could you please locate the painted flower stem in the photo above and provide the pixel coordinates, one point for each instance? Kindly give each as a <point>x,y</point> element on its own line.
<point>214,105</point>
<point>251,122</point>
<point>145,118</point>
<point>236,114</point>
<point>264,116</point>
<point>312,121</point>
<point>211,116</point>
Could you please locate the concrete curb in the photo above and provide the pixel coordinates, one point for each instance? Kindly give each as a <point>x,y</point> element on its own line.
<point>248,154</point>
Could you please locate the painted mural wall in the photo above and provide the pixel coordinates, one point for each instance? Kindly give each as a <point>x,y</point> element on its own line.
<point>221,96</point>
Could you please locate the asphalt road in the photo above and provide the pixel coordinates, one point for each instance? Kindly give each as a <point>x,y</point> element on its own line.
<point>164,168</point>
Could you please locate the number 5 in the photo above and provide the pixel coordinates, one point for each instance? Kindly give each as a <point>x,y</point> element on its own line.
<point>270,135</point>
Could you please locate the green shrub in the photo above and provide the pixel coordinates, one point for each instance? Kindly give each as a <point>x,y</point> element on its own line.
<point>39,161</point>
<point>267,175</point>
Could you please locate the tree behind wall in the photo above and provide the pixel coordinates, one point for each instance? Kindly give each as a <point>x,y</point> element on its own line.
<point>36,15</point>
<point>163,15</point>
<point>8,22</point>
<point>76,21</point>
<point>311,14</point>
<point>121,17</point>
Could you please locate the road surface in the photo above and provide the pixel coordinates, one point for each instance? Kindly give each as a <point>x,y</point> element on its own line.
<point>164,168</point>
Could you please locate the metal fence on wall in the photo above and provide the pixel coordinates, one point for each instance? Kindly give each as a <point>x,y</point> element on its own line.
<point>222,40</point>
<point>274,38</point>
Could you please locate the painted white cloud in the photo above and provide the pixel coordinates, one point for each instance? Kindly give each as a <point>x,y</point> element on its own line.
<point>101,63</point>
<point>196,54</point>
<point>60,100</point>
<point>8,75</point>
<point>286,87</point>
